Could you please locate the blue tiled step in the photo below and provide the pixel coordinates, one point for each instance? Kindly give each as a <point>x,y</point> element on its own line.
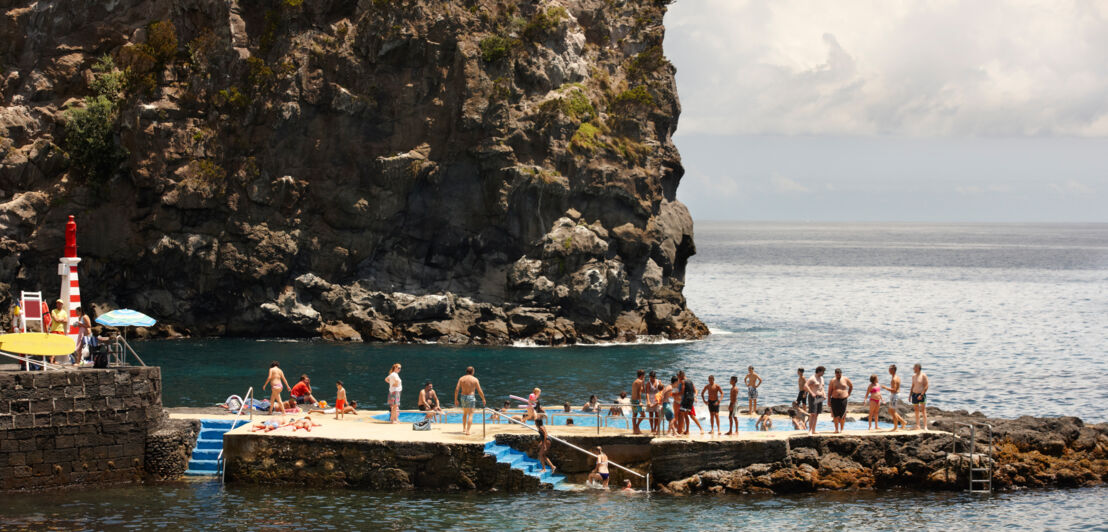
<point>529,466</point>
<point>205,455</point>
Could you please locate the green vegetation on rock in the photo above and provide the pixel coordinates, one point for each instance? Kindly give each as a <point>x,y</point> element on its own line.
<point>646,62</point>
<point>495,48</point>
<point>543,22</point>
<point>90,129</point>
<point>585,139</point>
<point>161,40</point>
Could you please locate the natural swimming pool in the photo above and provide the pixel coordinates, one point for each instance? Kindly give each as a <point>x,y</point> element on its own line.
<point>582,419</point>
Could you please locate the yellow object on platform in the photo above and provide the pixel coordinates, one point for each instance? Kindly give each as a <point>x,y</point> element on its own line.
<point>36,343</point>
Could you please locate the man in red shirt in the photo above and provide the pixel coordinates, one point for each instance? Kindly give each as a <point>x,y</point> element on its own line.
<point>302,392</point>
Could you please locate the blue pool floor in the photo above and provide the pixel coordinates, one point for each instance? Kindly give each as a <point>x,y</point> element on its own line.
<point>746,424</point>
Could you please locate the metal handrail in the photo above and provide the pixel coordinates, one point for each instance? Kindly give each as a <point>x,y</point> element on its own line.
<point>29,361</point>
<point>486,411</point>
<point>131,349</point>
<point>246,403</point>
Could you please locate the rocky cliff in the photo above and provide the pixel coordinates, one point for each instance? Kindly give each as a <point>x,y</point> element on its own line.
<point>394,170</point>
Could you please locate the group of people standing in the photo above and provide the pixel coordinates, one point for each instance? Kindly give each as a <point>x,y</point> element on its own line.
<point>812,394</point>
<point>653,400</point>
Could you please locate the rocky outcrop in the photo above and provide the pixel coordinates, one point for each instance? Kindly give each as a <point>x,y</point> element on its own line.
<point>1030,452</point>
<point>169,447</point>
<point>433,171</point>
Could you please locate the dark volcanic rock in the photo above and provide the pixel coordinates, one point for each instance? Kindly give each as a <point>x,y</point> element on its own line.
<point>449,171</point>
<point>1029,452</point>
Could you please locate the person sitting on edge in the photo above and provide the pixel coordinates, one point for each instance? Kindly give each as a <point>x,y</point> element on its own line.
<point>764,422</point>
<point>618,410</point>
<point>592,406</point>
<point>567,407</point>
<point>302,391</point>
<point>429,401</point>
<point>798,422</point>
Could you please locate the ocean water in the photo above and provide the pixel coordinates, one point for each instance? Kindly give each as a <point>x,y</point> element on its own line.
<point>1006,319</point>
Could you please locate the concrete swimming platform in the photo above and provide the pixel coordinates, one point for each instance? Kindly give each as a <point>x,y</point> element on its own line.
<point>364,452</point>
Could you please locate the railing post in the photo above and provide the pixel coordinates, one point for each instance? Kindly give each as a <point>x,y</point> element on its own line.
<point>483,409</point>
<point>598,421</point>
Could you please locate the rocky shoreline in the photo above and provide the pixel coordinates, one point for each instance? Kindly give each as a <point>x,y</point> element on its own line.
<point>1029,453</point>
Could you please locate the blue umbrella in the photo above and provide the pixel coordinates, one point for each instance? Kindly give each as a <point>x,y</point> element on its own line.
<point>125,317</point>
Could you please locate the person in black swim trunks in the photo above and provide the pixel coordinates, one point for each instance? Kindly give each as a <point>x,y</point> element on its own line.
<point>840,388</point>
<point>801,382</point>
<point>688,402</point>
<point>918,395</point>
<point>713,390</point>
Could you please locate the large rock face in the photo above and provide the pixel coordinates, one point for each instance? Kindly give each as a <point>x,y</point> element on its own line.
<point>417,170</point>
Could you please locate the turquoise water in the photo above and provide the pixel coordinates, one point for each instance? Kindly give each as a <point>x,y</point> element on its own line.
<point>746,424</point>
<point>985,309</point>
<point>208,506</point>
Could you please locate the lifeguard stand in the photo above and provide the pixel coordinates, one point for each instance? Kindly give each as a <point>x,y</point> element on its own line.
<point>32,310</point>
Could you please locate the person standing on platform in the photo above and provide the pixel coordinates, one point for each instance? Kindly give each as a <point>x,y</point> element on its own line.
<point>920,383</point>
<point>276,382</point>
<point>636,401</point>
<point>752,381</point>
<point>732,420</point>
<point>714,391</point>
<point>816,395</point>
<point>395,387</point>
<point>840,389</point>
<point>468,386</point>
<point>894,400</point>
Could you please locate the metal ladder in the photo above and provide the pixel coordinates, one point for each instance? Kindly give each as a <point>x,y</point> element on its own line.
<point>980,471</point>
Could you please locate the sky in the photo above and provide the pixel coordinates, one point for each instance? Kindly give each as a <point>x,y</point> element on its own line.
<point>889,110</point>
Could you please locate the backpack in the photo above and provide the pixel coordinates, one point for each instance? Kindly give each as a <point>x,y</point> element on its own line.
<point>422,425</point>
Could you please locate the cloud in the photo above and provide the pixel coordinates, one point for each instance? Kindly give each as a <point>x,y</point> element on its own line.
<point>784,185</point>
<point>940,68</point>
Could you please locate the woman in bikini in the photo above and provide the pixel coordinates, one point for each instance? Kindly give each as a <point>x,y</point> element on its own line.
<point>544,442</point>
<point>276,382</point>
<point>873,399</point>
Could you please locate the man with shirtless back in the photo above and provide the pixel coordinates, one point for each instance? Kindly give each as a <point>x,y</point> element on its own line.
<point>840,389</point>
<point>732,421</point>
<point>467,386</point>
<point>713,390</point>
<point>919,395</point>
<point>816,395</point>
<point>636,401</point>
<point>894,399</point>
<point>276,382</point>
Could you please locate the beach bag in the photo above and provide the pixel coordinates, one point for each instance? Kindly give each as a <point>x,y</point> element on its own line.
<point>422,425</point>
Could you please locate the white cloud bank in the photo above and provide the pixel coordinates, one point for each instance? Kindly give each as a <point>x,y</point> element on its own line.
<point>920,68</point>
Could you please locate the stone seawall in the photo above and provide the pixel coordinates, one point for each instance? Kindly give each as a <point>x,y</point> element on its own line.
<point>168,448</point>
<point>380,465</point>
<point>76,427</point>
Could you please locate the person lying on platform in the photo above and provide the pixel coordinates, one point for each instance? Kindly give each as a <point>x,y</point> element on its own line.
<point>764,422</point>
<point>269,425</point>
<point>305,423</point>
